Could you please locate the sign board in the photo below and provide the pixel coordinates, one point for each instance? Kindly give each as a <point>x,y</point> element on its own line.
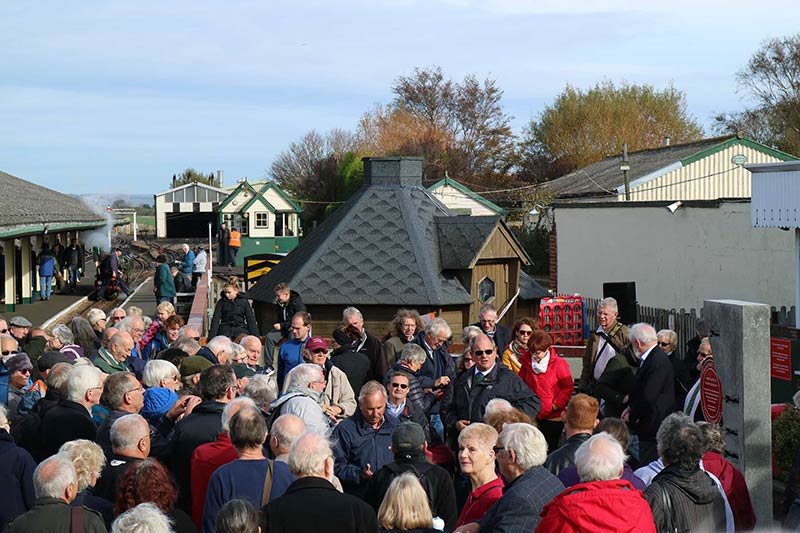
<point>780,351</point>
<point>256,266</point>
<point>711,393</point>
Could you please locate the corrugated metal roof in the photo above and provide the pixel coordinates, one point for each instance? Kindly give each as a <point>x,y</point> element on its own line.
<point>659,169</point>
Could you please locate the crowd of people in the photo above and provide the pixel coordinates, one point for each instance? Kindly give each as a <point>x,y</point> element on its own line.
<point>121,422</point>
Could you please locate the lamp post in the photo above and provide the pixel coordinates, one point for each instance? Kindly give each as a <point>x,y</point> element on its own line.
<point>625,167</point>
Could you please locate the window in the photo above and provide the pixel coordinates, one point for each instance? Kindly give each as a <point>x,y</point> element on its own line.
<point>236,220</point>
<point>262,220</point>
<point>486,290</point>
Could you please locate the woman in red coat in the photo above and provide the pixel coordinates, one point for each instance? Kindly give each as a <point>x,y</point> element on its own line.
<point>549,376</point>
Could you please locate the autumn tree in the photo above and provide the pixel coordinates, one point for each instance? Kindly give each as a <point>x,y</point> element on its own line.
<point>582,127</point>
<point>771,80</point>
<point>309,170</point>
<point>459,128</point>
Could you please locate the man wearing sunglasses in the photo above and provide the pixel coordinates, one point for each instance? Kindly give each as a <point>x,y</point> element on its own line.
<point>397,405</point>
<point>465,400</point>
<point>19,372</point>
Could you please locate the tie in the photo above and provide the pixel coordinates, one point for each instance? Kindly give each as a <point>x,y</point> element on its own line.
<point>477,379</point>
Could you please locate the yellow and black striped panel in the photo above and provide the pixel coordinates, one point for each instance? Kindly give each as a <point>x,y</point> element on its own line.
<point>256,266</point>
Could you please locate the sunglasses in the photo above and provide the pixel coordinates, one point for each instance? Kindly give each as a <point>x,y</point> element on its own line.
<point>401,385</point>
<point>319,351</point>
<point>490,351</point>
<point>664,344</point>
<point>4,330</point>
<point>525,332</point>
<point>9,352</point>
<point>24,370</point>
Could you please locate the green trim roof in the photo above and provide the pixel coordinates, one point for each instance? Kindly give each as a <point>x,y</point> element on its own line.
<point>282,193</point>
<point>259,197</point>
<point>234,193</point>
<point>734,141</point>
<point>472,194</point>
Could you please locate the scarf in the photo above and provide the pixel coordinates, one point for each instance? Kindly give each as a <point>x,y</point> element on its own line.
<point>540,367</point>
<point>518,349</point>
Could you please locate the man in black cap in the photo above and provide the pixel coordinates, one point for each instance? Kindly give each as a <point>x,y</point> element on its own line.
<point>409,447</point>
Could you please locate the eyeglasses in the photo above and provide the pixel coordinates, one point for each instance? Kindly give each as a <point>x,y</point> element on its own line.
<point>24,371</point>
<point>498,449</point>
<point>9,352</point>
<point>319,351</point>
<point>136,389</point>
<point>117,318</point>
<point>489,351</point>
<point>525,332</point>
<point>664,344</point>
<point>401,385</point>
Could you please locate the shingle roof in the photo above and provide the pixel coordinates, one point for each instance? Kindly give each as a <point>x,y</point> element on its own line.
<point>604,177</point>
<point>530,289</point>
<point>380,248</point>
<point>461,238</point>
<point>27,204</point>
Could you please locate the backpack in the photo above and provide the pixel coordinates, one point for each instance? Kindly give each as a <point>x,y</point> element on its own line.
<point>419,471</point>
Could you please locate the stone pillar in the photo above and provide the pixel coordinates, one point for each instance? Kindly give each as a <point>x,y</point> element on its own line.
<point>741,347</point>
<point>27,280</point>
<point>10,282</point>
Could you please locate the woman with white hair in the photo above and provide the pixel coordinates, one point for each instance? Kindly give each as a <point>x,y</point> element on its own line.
<point>63,340</point>
<point>162,381</point>
<point>476,456</point>
<point>88,459</point>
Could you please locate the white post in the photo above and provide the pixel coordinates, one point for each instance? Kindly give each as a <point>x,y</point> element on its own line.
<point>797,278</point>
<point>134,225</point>
<point>210,258</point>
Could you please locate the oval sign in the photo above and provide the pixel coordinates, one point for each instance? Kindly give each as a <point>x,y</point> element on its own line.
<point>711,394</point>
<point>739,159</point>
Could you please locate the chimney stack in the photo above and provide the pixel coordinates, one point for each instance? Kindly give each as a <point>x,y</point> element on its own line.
<point>219,179</point>
<point>398,171</point>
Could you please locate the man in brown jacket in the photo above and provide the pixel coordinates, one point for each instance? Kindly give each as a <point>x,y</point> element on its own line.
<point>604,343</point>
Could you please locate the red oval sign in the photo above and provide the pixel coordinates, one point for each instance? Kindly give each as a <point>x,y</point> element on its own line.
<point>710,393</point>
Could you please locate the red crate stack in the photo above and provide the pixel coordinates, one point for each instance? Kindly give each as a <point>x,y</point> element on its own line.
<point>562,318</point>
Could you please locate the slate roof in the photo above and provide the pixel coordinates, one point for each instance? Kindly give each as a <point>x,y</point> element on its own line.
<point>530,289</point>
<point>603,178</point>
<point>380,248</point>
<point>461,238</point>
<point>27,205</point>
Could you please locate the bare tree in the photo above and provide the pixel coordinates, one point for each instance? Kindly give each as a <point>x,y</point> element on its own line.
<point>771,79</point>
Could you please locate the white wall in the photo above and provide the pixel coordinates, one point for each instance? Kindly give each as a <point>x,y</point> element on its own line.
<point>676,260</point>
<point>455,199</point>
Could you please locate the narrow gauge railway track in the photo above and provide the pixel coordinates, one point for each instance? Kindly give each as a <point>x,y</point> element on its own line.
<point>140,255</point>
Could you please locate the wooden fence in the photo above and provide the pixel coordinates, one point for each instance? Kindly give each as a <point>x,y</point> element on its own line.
<point>681,321</point>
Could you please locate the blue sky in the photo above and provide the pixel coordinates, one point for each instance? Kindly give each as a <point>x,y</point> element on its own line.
<point>117,96</point>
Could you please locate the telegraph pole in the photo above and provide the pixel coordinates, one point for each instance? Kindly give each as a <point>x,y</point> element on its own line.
<point>625,167</point>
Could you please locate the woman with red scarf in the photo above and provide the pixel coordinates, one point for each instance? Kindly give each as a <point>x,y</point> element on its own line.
<point>549,376</point>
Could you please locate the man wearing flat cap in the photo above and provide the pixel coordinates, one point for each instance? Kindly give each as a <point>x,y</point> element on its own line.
<point>409,447</point>
<point>19,373</point>
<point>30,342</point>
<point>190,370</point>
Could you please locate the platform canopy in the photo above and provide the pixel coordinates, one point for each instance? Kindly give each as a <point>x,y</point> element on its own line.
<point>29,209</point>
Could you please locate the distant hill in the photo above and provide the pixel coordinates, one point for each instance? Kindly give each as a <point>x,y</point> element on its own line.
<point>105,199</point>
